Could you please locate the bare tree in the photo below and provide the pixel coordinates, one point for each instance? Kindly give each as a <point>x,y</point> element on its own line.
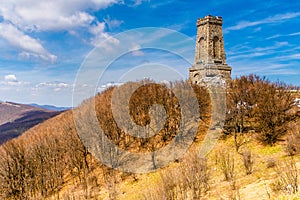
<point>256,103</point>
<point>241,100</point>
<point>274,111</point>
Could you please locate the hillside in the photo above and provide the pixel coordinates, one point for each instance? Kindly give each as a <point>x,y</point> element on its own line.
<point>50,162</point>
<point>17,118</point>
<point>50,107</point>
<point>57,141</point>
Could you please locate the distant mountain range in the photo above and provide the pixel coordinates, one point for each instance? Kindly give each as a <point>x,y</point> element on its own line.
<point>17,118</point>
<point>50,107</point>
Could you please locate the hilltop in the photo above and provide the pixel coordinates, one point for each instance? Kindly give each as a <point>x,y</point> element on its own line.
<point>17,118</point>
<point>252,160</point>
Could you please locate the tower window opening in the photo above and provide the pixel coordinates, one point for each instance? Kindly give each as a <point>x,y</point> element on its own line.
<point>201,49</point>
<point>216,47</point>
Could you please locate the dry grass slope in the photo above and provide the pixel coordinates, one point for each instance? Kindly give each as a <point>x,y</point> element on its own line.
<point>50,162</point>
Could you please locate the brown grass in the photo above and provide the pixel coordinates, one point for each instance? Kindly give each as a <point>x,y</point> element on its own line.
<point>50,162</point>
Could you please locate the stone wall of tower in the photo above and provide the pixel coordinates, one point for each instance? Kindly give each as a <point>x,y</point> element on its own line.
<point>210,41</point>
<point>210,58</point>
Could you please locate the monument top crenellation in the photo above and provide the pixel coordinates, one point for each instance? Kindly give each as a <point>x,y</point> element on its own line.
<point>210,19</point>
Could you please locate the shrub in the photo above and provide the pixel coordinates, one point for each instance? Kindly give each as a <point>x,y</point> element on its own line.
<point>287,176</point>
<point>248,161</point>
<point>226,163</point>
<point>189,181</point>
<point>291,145</point>
<point>271,162</point>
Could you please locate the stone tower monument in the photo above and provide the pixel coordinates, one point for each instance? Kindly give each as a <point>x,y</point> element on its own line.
<point>210,58</point>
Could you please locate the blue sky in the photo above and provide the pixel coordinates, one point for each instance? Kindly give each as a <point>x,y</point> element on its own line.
<point>43,43</point>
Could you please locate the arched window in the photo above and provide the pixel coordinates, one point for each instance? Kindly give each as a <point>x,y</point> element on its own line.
<point>216,47</point>
<point>201,49</point>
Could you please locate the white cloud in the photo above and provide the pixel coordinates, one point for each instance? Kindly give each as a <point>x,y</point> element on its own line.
<point>10,77</point>
<point>112,23</point>
<point>55,86</point>
<point>98,28</point>
<point>107,85</point>
<point>267,67</point>
<point>137,2</point>
<point>51,15</point>
<point>161,3</point>
<point>136,50</point>
<point>274,36</point>
<point>100,36</point>
<point>255,52</point>
<point>269,20</point>
<point>23,16</point>
<point>11,80</point>
<point>27,44</point>
<point>279,35</point>
<point>295,56</point>
<point>105,3</point>
<point>293,34</point>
